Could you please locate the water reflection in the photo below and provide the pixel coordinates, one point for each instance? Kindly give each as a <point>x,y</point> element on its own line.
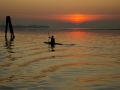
<point>9,44</point>
<point>90,62</point>
<point>52,48</point>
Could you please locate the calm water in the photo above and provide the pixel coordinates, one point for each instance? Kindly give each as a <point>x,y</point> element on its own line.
<point>87,60</point>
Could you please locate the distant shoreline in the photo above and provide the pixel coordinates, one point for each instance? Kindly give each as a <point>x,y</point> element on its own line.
<point>46,27</point>
<point>29,26</point>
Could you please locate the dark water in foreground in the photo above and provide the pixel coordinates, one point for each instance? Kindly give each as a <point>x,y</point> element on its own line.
<point>87,60</point>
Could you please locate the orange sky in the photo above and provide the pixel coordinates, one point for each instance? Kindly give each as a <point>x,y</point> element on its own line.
<point>72,11</point>
<point>79,18</point>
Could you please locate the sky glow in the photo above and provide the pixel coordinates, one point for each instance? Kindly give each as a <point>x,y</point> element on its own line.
<point>51,12</point>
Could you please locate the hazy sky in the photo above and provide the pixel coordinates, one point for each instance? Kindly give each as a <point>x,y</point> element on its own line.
<point>62,13</point>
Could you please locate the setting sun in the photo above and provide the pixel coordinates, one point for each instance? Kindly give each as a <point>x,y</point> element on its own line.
<point>75,18</point>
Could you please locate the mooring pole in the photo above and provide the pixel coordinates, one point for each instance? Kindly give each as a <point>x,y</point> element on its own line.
<point>8,23</point>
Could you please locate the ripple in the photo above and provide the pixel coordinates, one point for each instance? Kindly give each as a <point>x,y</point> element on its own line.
<point>92,62</point>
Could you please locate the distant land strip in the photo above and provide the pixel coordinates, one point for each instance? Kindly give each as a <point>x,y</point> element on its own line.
<point>29,26</point>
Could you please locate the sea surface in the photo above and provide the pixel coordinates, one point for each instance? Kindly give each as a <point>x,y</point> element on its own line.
<point>88,59</point>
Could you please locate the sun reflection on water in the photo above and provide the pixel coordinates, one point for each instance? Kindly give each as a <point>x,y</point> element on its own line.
<point>86,60</point>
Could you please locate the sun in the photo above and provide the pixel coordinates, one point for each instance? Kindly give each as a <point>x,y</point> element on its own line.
<point>75,18</point>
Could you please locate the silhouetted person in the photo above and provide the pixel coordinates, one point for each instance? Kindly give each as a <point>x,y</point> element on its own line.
<point>52,42</point>
<point>8,23</point>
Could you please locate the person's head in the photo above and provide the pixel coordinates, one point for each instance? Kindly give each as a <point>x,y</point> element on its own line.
<point>52,36</point>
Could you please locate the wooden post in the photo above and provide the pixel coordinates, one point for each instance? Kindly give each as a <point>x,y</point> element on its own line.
<point>8,23</point>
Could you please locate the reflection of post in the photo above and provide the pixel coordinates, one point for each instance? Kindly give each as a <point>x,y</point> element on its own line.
<point>8,22</point>
<point>8,43</point>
